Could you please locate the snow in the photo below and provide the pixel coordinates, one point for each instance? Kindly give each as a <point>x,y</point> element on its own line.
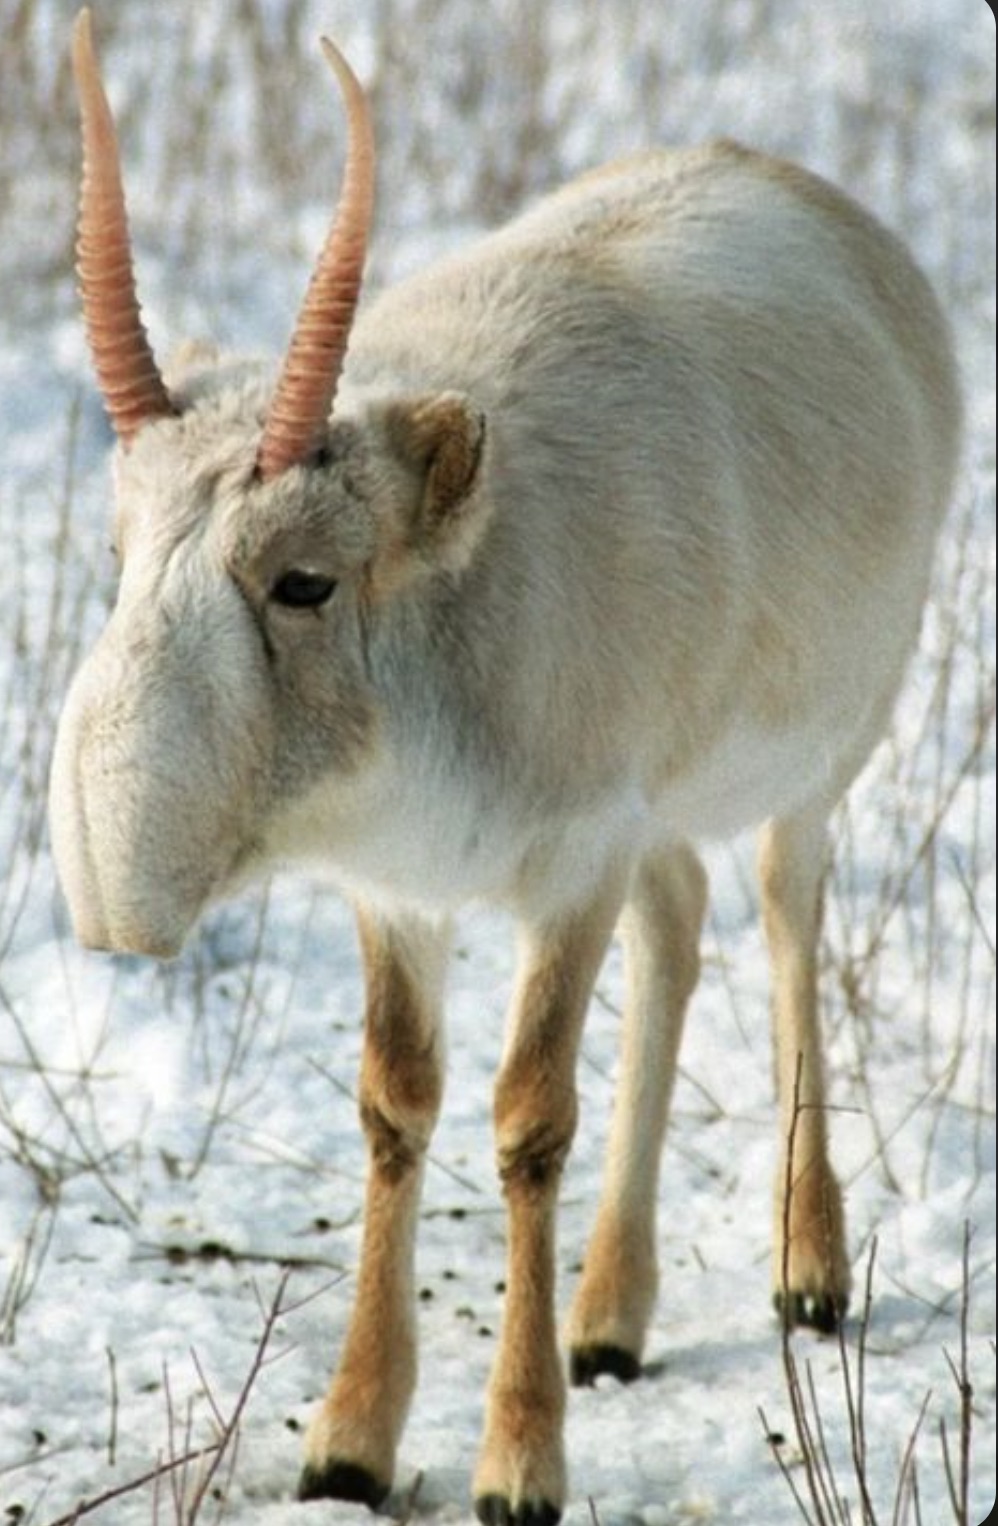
<point>170,1135</point>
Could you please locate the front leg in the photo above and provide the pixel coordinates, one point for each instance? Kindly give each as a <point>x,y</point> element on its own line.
<point>352,1440</point>
<point>520,1478</point>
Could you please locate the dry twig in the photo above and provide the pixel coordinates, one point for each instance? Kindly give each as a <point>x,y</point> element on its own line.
<point>190,1492</point>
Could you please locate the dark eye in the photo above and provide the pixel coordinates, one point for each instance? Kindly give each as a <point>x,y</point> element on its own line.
<point>302,590</point>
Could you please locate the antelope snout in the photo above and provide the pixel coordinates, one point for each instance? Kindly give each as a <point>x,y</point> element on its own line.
<point>132,881</point>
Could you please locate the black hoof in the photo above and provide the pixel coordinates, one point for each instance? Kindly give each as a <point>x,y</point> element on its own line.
<point>587,1363</point>
<point>342,1481</point>
<point>495,1510</point>
<point>824,1312</point>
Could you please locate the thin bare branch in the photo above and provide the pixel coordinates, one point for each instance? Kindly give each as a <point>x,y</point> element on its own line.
<point>958,1476</point>
<point>907,1487</point>
<point>141,1481</point>
<point>855,1400</point>
<point>274,1312</point>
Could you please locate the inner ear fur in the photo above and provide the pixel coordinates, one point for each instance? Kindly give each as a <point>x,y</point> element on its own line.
<point>441,439</point>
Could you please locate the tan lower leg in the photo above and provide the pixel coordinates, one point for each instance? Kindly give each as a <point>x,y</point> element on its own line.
<point>521,1460</point>
<point>354,1433</point>
<point>615,1297</point>
<point>810,1263</point>
<point>521,1470</point>
<point>351,1444</point>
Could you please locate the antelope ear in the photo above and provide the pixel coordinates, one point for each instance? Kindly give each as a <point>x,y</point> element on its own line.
<point>440,440</point>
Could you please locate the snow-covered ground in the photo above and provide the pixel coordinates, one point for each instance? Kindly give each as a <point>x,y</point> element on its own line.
<point>170,1136</point>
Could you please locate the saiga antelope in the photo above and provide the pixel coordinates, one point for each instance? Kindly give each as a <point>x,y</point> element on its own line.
<point>609,535</point>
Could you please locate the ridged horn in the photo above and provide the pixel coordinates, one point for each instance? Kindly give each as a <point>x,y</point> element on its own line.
<point>133,389</point>
<point>303,398</point>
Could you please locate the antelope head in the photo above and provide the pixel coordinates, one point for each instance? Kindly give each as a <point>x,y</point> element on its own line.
<point>253,527</point>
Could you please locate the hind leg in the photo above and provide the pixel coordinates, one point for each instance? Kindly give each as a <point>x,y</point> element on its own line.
<point>661,932</point>
<point>811,1277</point>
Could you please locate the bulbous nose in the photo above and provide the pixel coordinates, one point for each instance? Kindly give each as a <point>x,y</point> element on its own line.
<point>161,764</point>
<point>116,886</point>
<point>110,901</point>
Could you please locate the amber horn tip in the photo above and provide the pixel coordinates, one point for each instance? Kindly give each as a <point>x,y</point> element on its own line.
<point>133,390</point>
<point>306,388</point>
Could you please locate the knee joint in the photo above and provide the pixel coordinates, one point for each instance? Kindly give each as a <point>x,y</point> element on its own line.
<point>532,1163</point>
<point>395,1148</point>
<point>532,1144</point>
<point>397,1113</point>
